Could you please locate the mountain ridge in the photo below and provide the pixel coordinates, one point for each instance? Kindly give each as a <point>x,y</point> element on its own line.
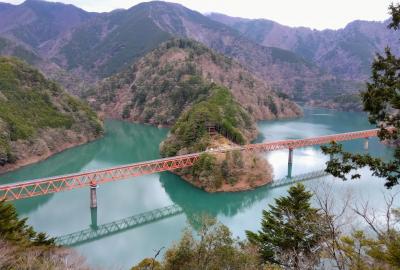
<point>347,52</point>
<point>284,70</point>
<point>97,45</point>
<point>112,35</point>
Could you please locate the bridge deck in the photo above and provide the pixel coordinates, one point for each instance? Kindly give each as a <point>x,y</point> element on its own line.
<point>21,190</point>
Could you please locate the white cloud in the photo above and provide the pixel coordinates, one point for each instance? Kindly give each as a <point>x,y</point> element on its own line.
<point>319,14</point>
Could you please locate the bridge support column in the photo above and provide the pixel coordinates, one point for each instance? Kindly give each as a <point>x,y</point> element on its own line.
<point>366,143</point>
<point>93,195</point>
<point>93,218</point>
<point>290,163</point>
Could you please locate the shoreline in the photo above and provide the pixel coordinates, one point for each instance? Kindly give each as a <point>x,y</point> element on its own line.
<point>10,167</point>
<point>231,189</point>
<point>255,171</point>
<point>226,188</point>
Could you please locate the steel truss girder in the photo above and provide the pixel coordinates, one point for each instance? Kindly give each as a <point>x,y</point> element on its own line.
<point>291,144</point>
<point>55,184</point>
<point>67,182</point>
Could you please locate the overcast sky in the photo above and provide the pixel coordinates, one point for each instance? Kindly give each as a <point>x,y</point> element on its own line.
<point>319,14</point>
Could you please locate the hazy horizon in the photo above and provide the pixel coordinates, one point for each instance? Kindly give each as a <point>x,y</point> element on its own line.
<point>316,14</point>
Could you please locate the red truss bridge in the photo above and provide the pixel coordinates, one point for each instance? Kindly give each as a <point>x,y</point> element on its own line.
<point>28,189</point>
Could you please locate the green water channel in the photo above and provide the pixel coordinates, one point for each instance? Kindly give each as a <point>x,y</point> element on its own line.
<point>69,212</point>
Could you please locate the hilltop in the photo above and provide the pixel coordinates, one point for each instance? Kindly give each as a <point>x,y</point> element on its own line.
<point>37,117</point>
<point>233,126</point>
<point>168,80</point>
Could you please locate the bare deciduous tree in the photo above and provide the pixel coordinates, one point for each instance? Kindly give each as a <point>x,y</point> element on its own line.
<point>336,217</point>
<point>374,243</point>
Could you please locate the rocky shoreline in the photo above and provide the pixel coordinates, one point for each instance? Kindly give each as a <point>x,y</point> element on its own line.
<point>241,187</point>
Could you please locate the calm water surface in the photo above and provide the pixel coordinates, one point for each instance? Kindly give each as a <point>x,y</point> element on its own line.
<point>69,212</point>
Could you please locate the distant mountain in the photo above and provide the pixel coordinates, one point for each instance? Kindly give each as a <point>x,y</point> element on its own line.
<point>36,22</point>
<point>347,52</point>
<point>180,72</point>
<point>30,30</point>
<point>92,46</point>
<point>74,84</point>
<point>11,48</point>
<point>37,117</point>
<point>110,42</point>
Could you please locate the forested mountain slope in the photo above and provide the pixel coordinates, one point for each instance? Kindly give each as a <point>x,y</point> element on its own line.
<point>37,117</point>
<point>97,45</point>
<point>158,87</point>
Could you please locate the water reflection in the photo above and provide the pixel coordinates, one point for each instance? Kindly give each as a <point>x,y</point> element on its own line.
<point>62,163</point>
<point>126,144</point>
<point>68,212</point>
<point>96,232</point>
<point>193,212</point>
<point>195,202</point>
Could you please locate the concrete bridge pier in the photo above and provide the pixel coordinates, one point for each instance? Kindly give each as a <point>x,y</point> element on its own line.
<point>366,144</point>
<point>93,195</point>
<point>290,163</point>
<point>93,205</point>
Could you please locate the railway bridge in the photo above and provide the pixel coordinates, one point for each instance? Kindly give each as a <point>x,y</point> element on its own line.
<point>92,179</point>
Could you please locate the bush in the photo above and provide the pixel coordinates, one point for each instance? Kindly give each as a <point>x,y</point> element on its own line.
<point>147,264</point>
<point>126,112</point>
<point>205,165</point>
<point>225,168</point>
<point>237,158</point>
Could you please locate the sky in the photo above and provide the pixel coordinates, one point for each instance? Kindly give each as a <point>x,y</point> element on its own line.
<point>317,14</point>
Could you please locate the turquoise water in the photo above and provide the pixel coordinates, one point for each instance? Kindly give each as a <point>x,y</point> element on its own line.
<point>69,212</point>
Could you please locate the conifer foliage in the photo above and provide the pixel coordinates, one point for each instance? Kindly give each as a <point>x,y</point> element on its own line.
<point>292,232</point>
<point>15,230</point>
<point>22,248</point>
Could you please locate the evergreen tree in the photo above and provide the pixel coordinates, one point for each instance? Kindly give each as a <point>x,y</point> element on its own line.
<point>16,230</point>
<point>382,102</point>
<point>292,232</point>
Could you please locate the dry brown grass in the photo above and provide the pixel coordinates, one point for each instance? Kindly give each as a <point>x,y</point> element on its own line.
<point>35,258</point>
